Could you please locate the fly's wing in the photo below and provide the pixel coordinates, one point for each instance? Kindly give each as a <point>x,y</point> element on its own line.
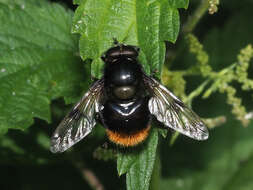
<point>172,112</point>
<point>80,121</point>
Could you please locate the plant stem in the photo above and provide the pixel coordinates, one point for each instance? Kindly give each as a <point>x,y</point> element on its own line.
<point>174,138</point>
<point>89,176</point>
<point>195,18</point>
<point>196,92</point>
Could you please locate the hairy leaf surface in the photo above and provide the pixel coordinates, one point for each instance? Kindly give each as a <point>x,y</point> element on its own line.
<point>147,24</point>
<point>37,60</point>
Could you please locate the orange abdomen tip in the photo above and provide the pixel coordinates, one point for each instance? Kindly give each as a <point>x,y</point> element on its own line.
<point>128,139</point>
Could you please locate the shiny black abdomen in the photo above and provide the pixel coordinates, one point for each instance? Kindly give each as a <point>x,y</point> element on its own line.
<point>128,117</point>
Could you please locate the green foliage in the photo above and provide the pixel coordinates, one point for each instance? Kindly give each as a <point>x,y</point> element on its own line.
<point>244,58</point>
<point>221,81</point>
<point>202,58</point>
<point>141,158</point>
<point>39,63</point>
<point>222,160</point>
<point>242,178</point>
<point>146,24</point>
<point>213,6</point>
<point>139,164</point>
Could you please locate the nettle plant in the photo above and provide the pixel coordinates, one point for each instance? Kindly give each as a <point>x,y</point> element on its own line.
<point>40,48</point>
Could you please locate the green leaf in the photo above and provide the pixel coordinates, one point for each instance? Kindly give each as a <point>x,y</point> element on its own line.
<point>37,61</point>
<point>242,179</point>
<point>146,24</point>
<point>138,163</point>
<point>179,3</point>
<point>125,161</point>
<point>77,2</point>
<point>139,175</point>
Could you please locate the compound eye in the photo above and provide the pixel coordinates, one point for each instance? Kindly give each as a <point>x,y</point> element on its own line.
<point>124,92</point>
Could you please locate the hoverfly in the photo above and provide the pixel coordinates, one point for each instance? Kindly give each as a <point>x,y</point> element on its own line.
<point>124,101</point>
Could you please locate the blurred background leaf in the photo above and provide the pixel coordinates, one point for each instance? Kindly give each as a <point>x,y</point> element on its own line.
<point>211,165</point>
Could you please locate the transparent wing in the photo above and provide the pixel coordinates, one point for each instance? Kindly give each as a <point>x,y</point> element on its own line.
<point>172,112</point>
<point>79,121</point>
